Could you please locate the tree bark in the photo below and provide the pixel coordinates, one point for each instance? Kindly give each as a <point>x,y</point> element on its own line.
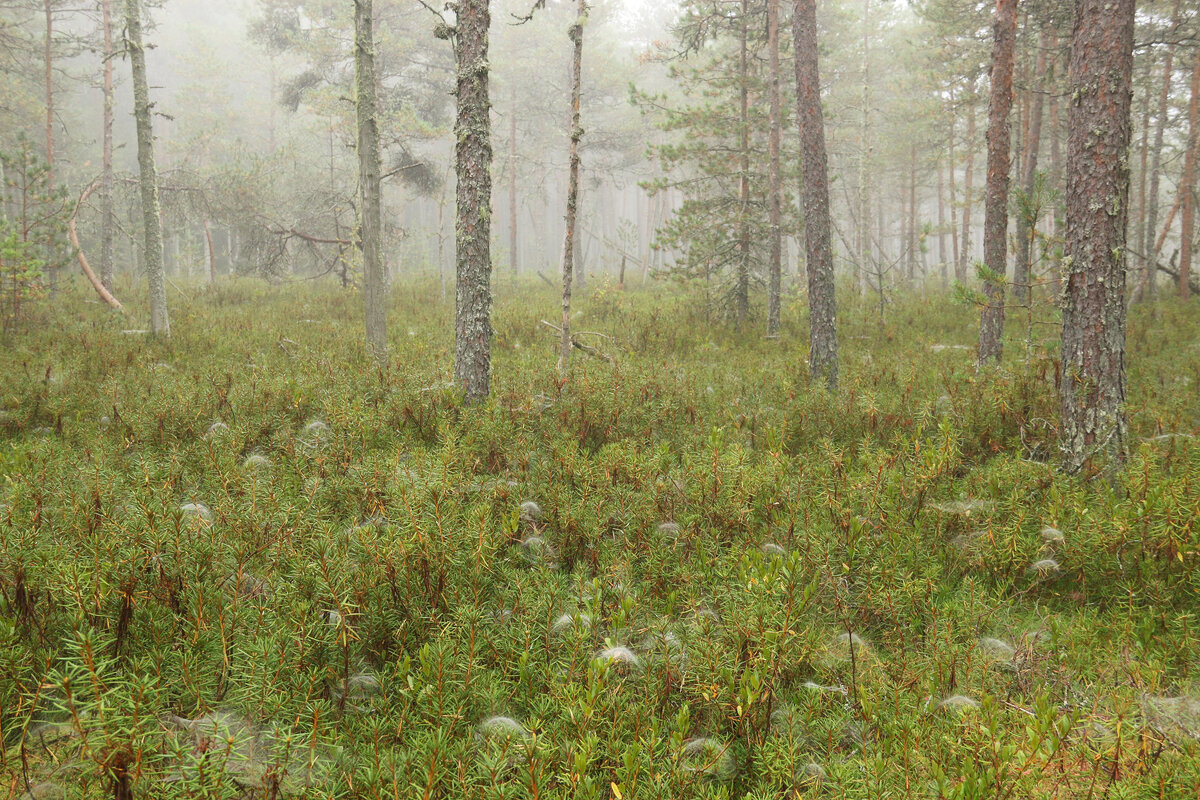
<point>775,170</point>
<point>941,203</point>
<point>1055,170</point>
<point>212,253</point>
<point>968,180</point>
<point>107,218</point>
<point>576,134</point>
<point>473,163</point>
<point>741,291</point>
<point>1093,389</point>
<point>370,224</point>
<point>1149,247</point>
<point>1143,178</point>
<point>863,244</point>
<point>995,212</point>
<point>818,244</point>
<point>1023,268</point>
<point>1187,187</point>
<point>911,234</point>
<point>514,261</point>
<point>48,59</point>
<point>152,246</point>
<point>959,271</point>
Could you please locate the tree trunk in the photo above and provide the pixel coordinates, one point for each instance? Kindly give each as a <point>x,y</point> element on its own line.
<point>1149,249</point>
<point>968,179</point>
<point>212,253</point>
<point>818,244</point>
<point>1139,234</point>
<point>514,262</point>
<point>741,292</point>
<point>473,163</point>
<point>568,259</point>
<point>48,59</point>
<point>152,245</point>
<point>862,256</point>
<point>911,235</point>
<point>995,213</point>
<point>1093,390</point>
<point>775,170</point>
<point>960,274</point>
<point>1023,268</point>
<point>941,201</point>
<point>1187,187</point>
<point>107,219</point>
<point>1055,171</point>
<point>370,224</point>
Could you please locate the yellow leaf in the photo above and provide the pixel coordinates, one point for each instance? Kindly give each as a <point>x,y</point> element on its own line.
<point>615,789</point>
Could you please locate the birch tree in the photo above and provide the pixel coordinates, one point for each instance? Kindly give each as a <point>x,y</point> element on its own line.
<point>369,226</point>
<point>576,134</point>
<point>152,255</point>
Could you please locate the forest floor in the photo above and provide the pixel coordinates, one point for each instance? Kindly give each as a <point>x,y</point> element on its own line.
<point>247,562</point>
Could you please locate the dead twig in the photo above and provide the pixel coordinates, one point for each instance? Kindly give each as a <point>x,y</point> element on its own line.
<point>595,352</point>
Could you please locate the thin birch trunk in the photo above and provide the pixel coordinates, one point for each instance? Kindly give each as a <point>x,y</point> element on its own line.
<point>152,244</point>
<point>370,225</point>
<point>107,217</point>
<point>569,240</point>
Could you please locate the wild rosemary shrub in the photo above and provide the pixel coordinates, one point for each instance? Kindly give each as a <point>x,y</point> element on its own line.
<point>248,562</point>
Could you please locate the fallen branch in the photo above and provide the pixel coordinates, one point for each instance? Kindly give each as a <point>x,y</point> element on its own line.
<point>595,352</point>
<point>1174,273</point>
<point>289,232</point>
<point>105,295</point>
<point>549,282</point>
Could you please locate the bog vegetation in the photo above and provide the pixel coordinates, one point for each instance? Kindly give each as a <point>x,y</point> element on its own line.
<point>249,561</point>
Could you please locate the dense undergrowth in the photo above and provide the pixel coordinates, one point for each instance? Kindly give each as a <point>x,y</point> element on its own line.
<point>249,563</point>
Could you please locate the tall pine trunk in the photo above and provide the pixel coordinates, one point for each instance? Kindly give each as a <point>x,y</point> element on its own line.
<point>995,212</point>
<point>941,203</point>
<point>775,170</point>
<point>968,180</point>
<point>959,272</point>
<point>1148,282</point>
<point>1093,390</point>
<point>1023,268</point>
<point>1187,187</point>
<point>1054,171</point>
<point>863,242</point>
<point>741,289</point>
<point>514,262</point>
<point>576,134</point>
<point>911,234</point>
<point>152,245</point>
<point>48,64</point>
<point>473,165</point>
<point>1139,233</point>
<point>107,218</point>
<point>370,226</point>
<point>818,245</point>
